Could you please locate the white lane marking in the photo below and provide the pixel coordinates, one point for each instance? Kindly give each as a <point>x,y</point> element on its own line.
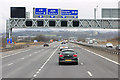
<point>39,51</point>
<point>22,58</point>
<point>37,72</point>
<point>10,51</point>
<point>34,75</point>
<point>90,74</point>
<point>15,53</point>
<point>45,63</point>
<point>35,52</point>
<point>10,64</point>
<point>81,63</point>
<point>101,56</point>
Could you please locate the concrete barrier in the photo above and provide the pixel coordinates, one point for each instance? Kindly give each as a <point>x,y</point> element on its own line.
<point>100,47</point>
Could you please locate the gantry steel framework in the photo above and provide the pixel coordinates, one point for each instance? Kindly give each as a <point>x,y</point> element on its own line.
<point>81,23</point>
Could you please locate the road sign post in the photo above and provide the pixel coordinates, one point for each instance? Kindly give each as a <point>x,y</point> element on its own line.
<point>9,40</point>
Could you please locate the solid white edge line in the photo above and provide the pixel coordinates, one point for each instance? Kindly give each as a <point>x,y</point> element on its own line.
<point>100,56</point>
<point>103,57</point>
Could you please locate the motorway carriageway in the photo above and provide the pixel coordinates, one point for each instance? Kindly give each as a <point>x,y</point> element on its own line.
<point>40,62</point>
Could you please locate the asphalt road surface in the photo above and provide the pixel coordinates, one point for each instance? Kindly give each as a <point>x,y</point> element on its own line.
<point>40,62</point>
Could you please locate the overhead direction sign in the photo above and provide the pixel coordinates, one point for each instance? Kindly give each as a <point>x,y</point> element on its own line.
<point>40,11</point>
<point>52,11</point>
<point>69,12</point>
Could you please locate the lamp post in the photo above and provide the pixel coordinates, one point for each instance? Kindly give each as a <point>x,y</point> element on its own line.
<point>95,10</point>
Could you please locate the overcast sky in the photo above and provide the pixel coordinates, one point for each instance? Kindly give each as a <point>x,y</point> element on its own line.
<point>85,7</point>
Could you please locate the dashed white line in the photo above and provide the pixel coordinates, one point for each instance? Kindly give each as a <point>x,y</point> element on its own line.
<point>35,52</point>
<point>15,53</point>
<point>81,63</point>
<point>39,51</point>
<point>10,51</point>
<point>90,74</point>
<point>37,72</point>
<point>10,64</point>
<point>22,58</point>
<point>44,63</point>
<point>34,75</point>
<point>30,55</point>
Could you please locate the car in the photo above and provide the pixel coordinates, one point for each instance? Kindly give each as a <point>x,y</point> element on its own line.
<point>68,56</point>
<point>118,47</point>
<point>63,43</point>
<point>109,45</point>
<point>46,45</point>
<point>64,47</point>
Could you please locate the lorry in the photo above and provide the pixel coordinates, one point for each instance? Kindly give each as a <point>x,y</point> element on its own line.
<point>90,42</point>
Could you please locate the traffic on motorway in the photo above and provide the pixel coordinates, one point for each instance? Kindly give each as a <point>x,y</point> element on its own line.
<point>58,60</point>
<point>66,54</point>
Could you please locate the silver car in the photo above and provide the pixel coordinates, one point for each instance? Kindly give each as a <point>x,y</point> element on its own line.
<point>109,45</point>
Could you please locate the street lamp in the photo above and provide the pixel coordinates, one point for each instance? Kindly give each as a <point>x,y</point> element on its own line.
<point>95,10</point>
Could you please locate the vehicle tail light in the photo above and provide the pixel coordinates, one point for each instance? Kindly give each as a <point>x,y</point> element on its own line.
<point>75,55</point>
<point>60,55</point>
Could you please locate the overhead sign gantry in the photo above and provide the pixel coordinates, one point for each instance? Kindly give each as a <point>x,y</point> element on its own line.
<point>57,18</point>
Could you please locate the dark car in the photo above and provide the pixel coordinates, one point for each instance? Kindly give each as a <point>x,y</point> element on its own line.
<point>118,47</point>
<point>68,56</point>
<point>64,47</point>
<point>63,43</point>
<point>68,49</point>
<point>46,45</point>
